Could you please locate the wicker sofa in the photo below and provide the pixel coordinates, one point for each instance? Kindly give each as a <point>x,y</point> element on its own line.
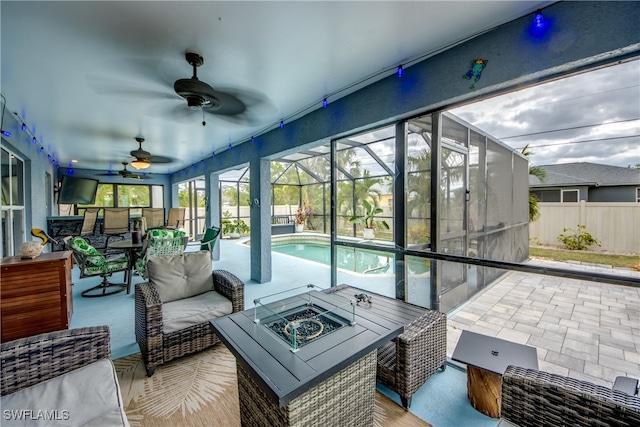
<point>173,309</point>
<point>535,398</point>
<point>62,378</point>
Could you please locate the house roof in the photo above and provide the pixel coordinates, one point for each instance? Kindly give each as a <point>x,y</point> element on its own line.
<point>590,174</point>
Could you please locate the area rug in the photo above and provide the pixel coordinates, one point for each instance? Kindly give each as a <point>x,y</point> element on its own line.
<point>201,390</point>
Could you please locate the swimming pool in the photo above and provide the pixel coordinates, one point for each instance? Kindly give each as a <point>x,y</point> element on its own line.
<point>358,260</point>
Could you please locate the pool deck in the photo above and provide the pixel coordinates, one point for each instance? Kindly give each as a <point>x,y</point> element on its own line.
<point>583,329</point>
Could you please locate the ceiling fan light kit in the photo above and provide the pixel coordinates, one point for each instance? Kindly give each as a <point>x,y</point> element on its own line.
<point>140,164</point>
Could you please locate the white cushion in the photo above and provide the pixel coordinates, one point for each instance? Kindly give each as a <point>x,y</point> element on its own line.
<point>182,313</point>
<point>87,396</point>
<point>181,276</point>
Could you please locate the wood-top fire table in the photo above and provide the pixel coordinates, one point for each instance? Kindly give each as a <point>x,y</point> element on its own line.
<point>327,375</point>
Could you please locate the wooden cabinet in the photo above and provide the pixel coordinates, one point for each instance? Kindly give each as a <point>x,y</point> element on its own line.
<point>35,294</point>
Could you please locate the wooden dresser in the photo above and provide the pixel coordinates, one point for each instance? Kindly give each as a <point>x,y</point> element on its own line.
<point>35,294</point>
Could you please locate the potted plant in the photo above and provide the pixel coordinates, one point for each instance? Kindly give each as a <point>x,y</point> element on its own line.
<point>233,228</point>
<point>369,221</point>
<point>301,216</point>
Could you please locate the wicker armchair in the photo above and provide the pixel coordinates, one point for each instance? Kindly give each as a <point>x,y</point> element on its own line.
<point>156,345</point>
<point>406,363</point>
<point>535,398</point>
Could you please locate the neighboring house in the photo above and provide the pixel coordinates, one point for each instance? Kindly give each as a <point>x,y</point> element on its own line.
<point>589,182</point>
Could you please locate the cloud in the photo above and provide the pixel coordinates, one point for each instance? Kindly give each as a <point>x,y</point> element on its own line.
<point>589,115</point>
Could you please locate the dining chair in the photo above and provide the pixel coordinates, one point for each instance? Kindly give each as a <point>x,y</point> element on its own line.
<point>176,217</point>
<point>89,221</point>
<point>208,242</point>
<point>115,223</point>
<point>91,262</point>
<point>160,242</point>
<point>154,217</point>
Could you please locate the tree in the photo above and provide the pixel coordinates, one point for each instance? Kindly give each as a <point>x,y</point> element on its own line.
<point>538,172</point>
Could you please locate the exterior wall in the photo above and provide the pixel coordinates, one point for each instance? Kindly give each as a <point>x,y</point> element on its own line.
<point>613,194</point>
<point>591,194</point>
<point>615,225</point>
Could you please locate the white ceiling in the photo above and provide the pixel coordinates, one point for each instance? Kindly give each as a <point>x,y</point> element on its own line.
<point>87,77</point>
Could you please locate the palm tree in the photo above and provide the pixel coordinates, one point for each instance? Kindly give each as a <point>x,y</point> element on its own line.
<point>538,172</point>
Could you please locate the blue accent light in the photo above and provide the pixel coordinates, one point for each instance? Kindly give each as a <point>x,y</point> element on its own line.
<point>540,25</point>
<point>24,127</point>
<point>400,70</point>
<point>281,124</point>
<point>538,20</point>
<point>229,147</point>
<point>41,150</point>
<point>5,132</point>
<point>213,155</point>
<point>69,171</point>
<point>34,140</point>
<point>253,140</point>
<point>324,103</point>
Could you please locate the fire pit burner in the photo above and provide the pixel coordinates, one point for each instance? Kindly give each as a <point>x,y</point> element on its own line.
<point>306,329</point>
<point>309,323</point>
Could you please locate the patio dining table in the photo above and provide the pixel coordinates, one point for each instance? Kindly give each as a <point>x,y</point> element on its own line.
<point>131,250</point>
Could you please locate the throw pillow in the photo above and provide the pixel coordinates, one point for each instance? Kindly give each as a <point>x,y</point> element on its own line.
<point>181,276</point>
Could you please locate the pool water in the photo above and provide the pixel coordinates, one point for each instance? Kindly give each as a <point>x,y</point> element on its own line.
<point>351,259</point>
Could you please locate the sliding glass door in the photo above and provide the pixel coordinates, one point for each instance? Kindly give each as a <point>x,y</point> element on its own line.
<point>192,196</point>
<point>13,220</point>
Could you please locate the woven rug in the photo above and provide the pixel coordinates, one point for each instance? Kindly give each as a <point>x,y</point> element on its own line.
<point>201,390</point>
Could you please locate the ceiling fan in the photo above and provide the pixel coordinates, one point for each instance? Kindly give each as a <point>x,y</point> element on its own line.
<point>144,159</point>
<point>125,173</point>
<point>200,95</point>
<point>236,105</point>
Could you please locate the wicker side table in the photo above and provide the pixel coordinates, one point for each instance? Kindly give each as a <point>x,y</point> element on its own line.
<point>347,398</point>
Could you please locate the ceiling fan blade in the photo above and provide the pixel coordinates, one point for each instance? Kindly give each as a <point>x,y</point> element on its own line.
<point>229,104</point>
<point>122,88</point>
<point>258,108</point>
<point>138,177</point>
<point>160,159</point>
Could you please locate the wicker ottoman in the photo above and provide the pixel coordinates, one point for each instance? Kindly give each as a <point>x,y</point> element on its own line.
<point>347,398</point>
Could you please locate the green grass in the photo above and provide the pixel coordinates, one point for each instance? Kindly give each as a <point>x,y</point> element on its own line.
<point>624,261</point>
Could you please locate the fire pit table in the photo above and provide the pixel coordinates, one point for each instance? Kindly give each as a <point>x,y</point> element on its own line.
<point>307,357</point>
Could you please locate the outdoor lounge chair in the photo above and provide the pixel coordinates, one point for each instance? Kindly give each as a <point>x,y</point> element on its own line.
<point>174,308</point>
<point>405,363</point>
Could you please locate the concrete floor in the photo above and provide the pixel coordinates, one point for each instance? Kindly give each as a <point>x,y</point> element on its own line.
<point>586,330</point>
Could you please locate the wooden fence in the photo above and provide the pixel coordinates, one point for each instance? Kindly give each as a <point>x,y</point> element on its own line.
<point>615,225</point>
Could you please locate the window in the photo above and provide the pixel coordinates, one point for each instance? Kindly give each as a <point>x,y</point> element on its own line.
<point>127,195</point>
<point>569,196</point>
<point>638,194</point>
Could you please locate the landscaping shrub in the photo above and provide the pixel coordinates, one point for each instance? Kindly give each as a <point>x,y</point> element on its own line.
<point>579,239</point>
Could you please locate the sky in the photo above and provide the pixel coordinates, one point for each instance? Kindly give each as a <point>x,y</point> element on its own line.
<point>590,117</point>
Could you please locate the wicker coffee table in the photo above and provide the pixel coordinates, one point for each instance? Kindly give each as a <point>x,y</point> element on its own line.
<point>487,358</point>
<point>329,381</point>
